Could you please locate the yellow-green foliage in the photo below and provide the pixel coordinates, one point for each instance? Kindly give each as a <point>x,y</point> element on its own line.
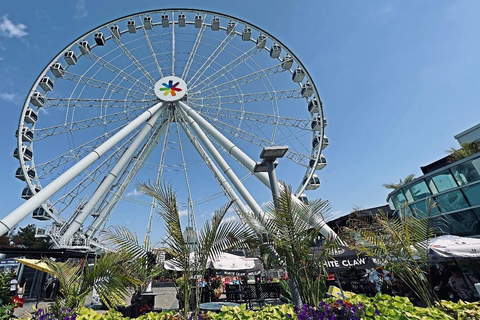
<point>461,310</point>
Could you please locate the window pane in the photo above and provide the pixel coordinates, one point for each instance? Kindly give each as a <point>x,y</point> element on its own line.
<point>443,181</point>
<point>417,191</point>
<point>466,173</point>
<point>399,199</point>
<point>424,208</point>
<point>451,201</point>
<point>473,194</point>
<point>462,223</point>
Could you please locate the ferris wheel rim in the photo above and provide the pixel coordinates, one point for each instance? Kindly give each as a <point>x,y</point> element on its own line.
<point>105,25</point>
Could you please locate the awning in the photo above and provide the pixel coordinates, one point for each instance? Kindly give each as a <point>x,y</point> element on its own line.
<point>343,258</point>
<point>35,264</point>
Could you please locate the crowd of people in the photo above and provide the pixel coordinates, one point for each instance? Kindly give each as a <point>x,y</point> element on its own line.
<point>448,282</point>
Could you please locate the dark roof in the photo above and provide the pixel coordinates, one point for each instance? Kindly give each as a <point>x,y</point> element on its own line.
<point>363,214</point>
<point>445,161</point>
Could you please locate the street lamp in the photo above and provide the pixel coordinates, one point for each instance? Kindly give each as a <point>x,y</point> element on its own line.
<point>268,164</point>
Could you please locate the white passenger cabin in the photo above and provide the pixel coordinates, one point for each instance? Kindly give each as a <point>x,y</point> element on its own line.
<point>246,33</point>
<point>313,106</point>
<point>198,21</point>
<point>287,62</point>
<point>165,21</point>
<point>30,116</point>
<point>99,39</point>
<point>215,24</point>
<point>307,90</point>
<point>46,84</point>
<point>26,151</point>
<point>40,214</point>
<point>317,123</point>
<point>84,47</point>
<point>131,26</point>
<point>19,174</point>
<point>303,198</point>
<point>261,41</point>
<point>275,51</point>
<point>147,23</point>
<point>313,183</point>
<point>70,58</point>
<point>181,20</point>
<point>298,75</point>
<point>322,162</point>
<point>316,142</point>
<point>230,27</point>
<point>27,193</point>
<point>27,134</point>
<point>115,31</point>
<point>37,99</point>
<point>57,70</point>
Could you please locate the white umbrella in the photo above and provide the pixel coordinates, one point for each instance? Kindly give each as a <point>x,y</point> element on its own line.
<point>231,263</point>
<point>224,261</point>
<point>449,246</point>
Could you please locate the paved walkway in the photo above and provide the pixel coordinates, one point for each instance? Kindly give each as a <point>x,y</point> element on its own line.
<point>166,301</point>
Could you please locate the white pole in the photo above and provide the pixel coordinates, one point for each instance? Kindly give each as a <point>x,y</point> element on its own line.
<point>107,182</point>
<point>34,202</point>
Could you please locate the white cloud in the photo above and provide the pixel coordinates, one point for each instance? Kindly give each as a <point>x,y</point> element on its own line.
<point>8,97</point>
<point>10,30</point>
<point>183,213</point>
<point>229,219</point>
<point>134,193</point>
<point>80,10</point>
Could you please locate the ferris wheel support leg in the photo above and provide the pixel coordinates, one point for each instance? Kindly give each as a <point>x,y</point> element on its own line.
<point>228,189</point>
<point>106,183</point>
<point>223,165</point>
<point>34,202</point>
<point>231,148</point>
<point>241,157</point>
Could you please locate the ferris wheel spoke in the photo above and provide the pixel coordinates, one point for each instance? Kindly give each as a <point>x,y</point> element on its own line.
<point>116,70</point>
<point>236,82</point>
<point>87,123</point>
<point>228,67</point>
<point>248,97</point>
<point>127,52</point>
<point>193,53</point>
<point>211,59</point>
<point>297,157</point>
<point>96,103</point>
<point>303,124</point>
<point>107,86</point>
<point>109,203</point>
<point>152,51</point>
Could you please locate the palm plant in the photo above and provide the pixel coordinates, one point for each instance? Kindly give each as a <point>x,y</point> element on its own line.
<point>76,279</point>
<point>402,243</point>
<point>292,227</point>
<point>139,259</point>
<point>465,150</point>
<point>400,183</point>
<point>214,237</point>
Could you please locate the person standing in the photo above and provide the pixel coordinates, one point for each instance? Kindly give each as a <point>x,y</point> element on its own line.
<point>13,286</point>
<point>440,278</point>
<point>21,287</point>
<point>462,285</point>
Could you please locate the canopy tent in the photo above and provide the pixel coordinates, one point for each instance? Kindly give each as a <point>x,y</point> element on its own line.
<point>449,246</point>
<point>223,262</point>
<point>35,264</point>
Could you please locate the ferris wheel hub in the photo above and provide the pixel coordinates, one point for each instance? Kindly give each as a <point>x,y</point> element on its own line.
<point>170,88</point>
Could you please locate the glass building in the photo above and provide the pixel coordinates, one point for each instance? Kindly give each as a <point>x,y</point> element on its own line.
<point>450,191</point>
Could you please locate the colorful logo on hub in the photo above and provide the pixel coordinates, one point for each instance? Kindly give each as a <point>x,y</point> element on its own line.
<point>170,88</point>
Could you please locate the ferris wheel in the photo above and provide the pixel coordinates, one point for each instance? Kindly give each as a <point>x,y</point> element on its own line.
<point>180,95</point>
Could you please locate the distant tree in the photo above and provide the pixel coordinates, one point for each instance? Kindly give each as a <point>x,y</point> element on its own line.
<point>25,237</point>
<point>465,150</point>
<point>400,183</point>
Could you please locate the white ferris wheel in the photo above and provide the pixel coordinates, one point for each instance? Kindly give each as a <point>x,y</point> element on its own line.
<point>180,95</point>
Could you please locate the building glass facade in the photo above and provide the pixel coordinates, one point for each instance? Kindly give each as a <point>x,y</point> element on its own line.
<point>451,193</point>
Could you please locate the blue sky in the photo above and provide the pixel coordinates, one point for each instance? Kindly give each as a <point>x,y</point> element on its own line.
<point>398,78</point>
